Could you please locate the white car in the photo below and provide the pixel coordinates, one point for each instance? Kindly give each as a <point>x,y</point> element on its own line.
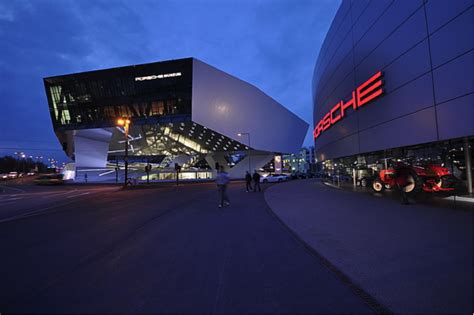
<point>273,178</point>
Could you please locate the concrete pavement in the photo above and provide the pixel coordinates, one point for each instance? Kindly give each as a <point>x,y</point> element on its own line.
<point>412,259</point>
<point>168,249</point>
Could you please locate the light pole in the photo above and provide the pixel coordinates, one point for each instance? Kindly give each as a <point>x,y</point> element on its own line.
<point>240,134</point>
<point>23,156</point>
<point>125,122</point>
<point>16,166</point>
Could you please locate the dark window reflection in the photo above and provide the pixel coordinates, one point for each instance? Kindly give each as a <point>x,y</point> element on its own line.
<point>99,98</point>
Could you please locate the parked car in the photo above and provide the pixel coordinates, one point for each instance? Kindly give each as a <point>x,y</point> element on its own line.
<point>3,176</point>
<point>50,179</point>
<point>273,178</point>
<point>13,175</point>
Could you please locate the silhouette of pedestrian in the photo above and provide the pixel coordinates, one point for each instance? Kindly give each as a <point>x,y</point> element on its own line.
<point>222,179</point>
<point>402,182</point>
<point>256,181</point>
<point>85,177</point>
<point>248,181</point>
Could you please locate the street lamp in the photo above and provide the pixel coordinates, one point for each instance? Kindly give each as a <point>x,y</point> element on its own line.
<point>23,162</point>
<point>17,164</point>
<point>240,134</point>
<point>125,122</point>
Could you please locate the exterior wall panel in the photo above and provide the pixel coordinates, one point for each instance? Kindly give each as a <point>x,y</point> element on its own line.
<point>400,42</point>
<point>427,79</point>
<point>454,79</point>
<point>339,74</point>
<point>456,123</point>
<point>410,98</point>
<point>440,12</point>
<point>341,91</point>
<point>344,128</point>
<point>390,20</point>
<point>407,67</point>
<point>369,17</point>
<point>329,47</point>
<point>453,39</point>
<point>358,7</point>
<point>407,130</point>
<point>350,144</point>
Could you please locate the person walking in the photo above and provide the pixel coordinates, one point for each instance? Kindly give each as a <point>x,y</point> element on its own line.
<point>222,179</point>
<point>401,180</point>
<point>248,181</point>
<point>256,181</point>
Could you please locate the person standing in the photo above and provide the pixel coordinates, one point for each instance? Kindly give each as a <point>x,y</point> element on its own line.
<point>401,181</point>
<point>248,181</point>
<point>256,181</point>
<point>222,179</point>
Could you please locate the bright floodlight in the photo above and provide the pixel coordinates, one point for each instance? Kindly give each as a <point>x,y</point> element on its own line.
<point>123,121</point>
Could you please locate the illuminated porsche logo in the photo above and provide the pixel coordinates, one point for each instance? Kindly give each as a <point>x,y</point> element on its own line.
<point>365,93</point>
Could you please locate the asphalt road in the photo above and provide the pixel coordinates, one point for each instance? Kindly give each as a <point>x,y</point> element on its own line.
<point>18,203</point>
<point>167,249</point>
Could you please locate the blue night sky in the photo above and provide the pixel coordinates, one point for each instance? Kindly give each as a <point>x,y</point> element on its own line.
<point>271,44</point>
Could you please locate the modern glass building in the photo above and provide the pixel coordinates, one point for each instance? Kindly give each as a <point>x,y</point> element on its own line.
<point>394,81</point>
<point>182,111</point>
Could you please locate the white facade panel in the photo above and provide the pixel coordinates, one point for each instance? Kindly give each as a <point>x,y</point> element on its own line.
<point>91,146</point>
<point>228,106</point>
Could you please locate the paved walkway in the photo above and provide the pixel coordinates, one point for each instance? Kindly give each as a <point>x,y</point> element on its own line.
<point>164,250</point>
<point>412,259</point>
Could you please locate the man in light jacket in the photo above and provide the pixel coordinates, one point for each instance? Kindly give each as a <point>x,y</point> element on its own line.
<point>222,179</point>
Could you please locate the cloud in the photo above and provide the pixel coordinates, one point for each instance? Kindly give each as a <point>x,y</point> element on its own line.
<point>271,44</point>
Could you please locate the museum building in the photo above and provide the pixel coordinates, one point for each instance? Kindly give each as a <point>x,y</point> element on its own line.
<point>183,112</point>
<point>394,82</point>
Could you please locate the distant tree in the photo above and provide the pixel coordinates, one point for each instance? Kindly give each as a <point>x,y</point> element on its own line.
<point>7,164</point>
<point>10,164</point>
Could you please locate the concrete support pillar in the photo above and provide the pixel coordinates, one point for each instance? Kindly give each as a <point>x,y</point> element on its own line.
<point>354,179</point>
<point>468,158</point>
<point>259,159</point>
<point>91,147</point>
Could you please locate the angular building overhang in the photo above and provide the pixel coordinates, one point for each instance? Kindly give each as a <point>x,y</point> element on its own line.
<point>177,107</point>
<point>229,106</point>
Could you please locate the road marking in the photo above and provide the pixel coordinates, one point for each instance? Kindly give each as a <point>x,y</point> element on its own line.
<point>47,210</point>
<point>11,199</point>
<point>41,211</point>
<point>82,194</point>
<point>57,194</point>
<point>12,188</point>
<point>220,283</point>
<point>61,192</point>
